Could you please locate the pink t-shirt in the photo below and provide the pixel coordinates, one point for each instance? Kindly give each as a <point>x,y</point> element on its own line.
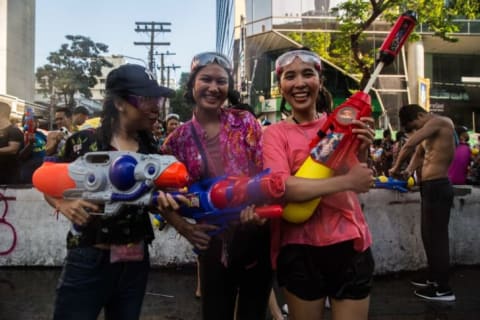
<point>458,170</point>
<point>339,216</point>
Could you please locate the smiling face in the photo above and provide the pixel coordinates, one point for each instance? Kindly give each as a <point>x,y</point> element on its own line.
<point>210,88</point>
<point>300,84</point>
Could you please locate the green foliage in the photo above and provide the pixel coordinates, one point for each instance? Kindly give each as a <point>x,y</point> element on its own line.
<point>356,16</point>
<point>177,103</point>
<point>73,68</point>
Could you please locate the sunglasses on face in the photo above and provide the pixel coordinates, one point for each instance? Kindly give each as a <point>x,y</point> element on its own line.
<point>202,59</point>
<point>139,101</point>
<point>304,55</point>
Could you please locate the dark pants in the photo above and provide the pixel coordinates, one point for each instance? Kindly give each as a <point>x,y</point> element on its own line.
<point>220,286</point>
<point>90,282</point>
<point>437,199</point>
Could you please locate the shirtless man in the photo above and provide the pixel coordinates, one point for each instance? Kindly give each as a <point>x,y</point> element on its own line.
<point>434,146</point>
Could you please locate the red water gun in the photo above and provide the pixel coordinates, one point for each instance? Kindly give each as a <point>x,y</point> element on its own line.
<point>335,146</point>
<point>29,126</point>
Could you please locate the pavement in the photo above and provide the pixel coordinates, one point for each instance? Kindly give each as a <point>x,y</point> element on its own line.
<point>28,293</point>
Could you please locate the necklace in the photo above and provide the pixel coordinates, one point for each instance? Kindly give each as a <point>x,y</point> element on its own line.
<point>315,117</point>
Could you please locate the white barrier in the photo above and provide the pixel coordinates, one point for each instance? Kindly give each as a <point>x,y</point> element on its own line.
<point>394,220</point>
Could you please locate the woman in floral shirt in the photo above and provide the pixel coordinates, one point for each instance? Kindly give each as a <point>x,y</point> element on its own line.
<point>222,141</point>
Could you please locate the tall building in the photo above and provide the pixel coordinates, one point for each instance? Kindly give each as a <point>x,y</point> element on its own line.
<point>441,76</point>
<point>17,48</point>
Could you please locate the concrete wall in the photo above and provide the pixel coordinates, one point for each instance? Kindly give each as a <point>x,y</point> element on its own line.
<point>394,220</point>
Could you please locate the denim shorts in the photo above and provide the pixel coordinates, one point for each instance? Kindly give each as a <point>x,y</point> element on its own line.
<point>336,271</point>
<point>89,282</point>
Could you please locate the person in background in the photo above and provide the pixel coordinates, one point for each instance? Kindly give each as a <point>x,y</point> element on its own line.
<point>172,121</point>
<point>235,271</point>
<point>56,138</point>
<point>32,154</point>
<point>107,262</point>
<point>433,145</point>
<point>387,152</point>
<point>459,168</point>
<point>11,141</point>
<point>157,133</point>
<point>80,115</point>
<point>400,140</point>
<point>329,254</point>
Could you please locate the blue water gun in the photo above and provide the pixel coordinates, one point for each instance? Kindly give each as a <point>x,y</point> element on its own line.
<point>219,201</point>
<point>384,182</point>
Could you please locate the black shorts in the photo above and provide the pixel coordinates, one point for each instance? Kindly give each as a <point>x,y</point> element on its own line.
<point>337,271</point>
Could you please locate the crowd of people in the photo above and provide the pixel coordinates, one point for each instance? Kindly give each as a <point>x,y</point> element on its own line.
<point>464,169</point>
<point>326,257</point>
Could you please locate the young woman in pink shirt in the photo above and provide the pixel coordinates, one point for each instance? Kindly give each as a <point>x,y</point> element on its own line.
<point>328,255</point>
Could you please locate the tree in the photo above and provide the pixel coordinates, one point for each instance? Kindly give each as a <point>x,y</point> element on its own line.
<point>177,103</point>
<point>356,16</point>
<point>73,68</point>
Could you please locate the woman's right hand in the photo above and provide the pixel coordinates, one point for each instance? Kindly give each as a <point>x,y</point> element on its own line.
<point>360,178</point>
<point>195,233</point>
<point>76,210</point>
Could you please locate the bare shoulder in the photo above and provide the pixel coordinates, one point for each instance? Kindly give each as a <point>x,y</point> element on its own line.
<point>446,120</point>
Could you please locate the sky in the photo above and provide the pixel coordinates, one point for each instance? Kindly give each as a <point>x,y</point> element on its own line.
<point>112,22</point>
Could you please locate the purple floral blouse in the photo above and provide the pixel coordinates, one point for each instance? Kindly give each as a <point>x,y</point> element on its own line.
<point>240,145</point>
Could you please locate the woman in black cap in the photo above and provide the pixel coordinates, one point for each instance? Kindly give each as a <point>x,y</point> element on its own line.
<point>107,261</point>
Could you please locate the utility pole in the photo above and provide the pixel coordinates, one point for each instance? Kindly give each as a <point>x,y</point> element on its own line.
<point>162,64</point>
<point>152,27</point>
<point>173,67</point>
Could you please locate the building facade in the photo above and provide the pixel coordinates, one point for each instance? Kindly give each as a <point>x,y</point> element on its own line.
<point>17,48</point>
<point>17,55</point>
<point>441,76</point>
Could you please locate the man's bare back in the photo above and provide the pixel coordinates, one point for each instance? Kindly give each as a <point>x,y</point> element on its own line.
<point>439,149</point>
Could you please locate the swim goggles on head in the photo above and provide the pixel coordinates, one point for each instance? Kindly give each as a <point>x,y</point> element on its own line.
<point>304,55</point>
<point>172,116</point>
<point>204,58</point>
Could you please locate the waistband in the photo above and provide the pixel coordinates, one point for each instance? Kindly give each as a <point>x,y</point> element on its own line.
<point>435,181</point>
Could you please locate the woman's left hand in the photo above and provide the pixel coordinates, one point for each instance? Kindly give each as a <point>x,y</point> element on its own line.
<point>364,129</point>
<point>248,215</point>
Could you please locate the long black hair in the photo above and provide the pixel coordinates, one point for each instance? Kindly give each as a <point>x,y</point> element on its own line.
<point>110,119</point>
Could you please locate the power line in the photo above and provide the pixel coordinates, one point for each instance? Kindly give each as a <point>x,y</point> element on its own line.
<point>152,28</point>
<point>162,65</point>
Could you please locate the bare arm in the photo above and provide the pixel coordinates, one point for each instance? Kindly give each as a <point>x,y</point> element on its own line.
<point>416,161</point>
<point>358,179</point>
<point>428,130</point>
<point>12,148</point>
<point>75,210</point>
<point>196,234</point>
<point>53,139</point>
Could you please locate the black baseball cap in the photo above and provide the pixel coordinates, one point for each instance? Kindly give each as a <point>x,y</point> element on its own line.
<point>136,80</point>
